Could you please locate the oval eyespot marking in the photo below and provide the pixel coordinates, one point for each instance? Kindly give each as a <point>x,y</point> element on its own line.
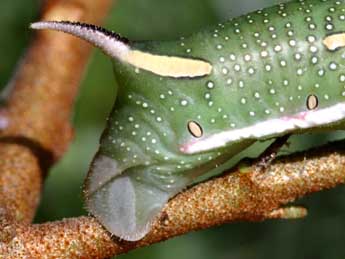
<point>312,102</point>
<point>195,129</point>
<point>334,41</point>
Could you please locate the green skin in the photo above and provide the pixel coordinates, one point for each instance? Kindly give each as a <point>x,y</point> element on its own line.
<point>264,67</point>
<point>162,93</point>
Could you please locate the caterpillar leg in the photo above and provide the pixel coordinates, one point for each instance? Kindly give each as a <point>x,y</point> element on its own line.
<point>288,213</point>
<point>127,207</point>
<point>267,157</point>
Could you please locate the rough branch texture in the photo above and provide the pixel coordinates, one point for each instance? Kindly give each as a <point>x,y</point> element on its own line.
<point>39,108</point>
<point>38,132</point>
<point>237,196</point>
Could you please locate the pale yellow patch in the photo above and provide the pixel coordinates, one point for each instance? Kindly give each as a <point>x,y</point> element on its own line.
<point>167,65</point>
<point>335,41</point>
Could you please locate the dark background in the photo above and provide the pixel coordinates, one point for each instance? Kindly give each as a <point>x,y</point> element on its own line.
<point>320,235</point>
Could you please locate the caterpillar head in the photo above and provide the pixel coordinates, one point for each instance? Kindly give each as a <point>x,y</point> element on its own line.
<point>149,151</point>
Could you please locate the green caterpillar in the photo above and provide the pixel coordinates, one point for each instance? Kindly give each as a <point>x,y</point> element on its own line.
<point>186,106</point>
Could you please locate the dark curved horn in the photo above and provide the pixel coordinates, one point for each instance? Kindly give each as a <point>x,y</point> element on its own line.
<point>110,42</point>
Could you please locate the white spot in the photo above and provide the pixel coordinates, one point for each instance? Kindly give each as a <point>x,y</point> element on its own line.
<point>313,49</point>
<point>314,60</point>
<point>210,85</point>
<point>283,63</point>
<point>312,26</point>
<point>251,71</point>
<point>311,38</point>
<point>207,96</point>
<point>299,71</point>
<point>329,27</point>
<point>277,48</point>
<point>264,54</point>
<point>333,66</point>
<point>184,102</point>
<point>247,57</point>
<point>292,43</point>
<point>298,56</point>
<point>342,78</point>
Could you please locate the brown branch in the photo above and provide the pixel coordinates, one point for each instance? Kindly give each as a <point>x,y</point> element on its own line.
<point>35,121</point>
<point>38,132</point>
<point>239,196</point>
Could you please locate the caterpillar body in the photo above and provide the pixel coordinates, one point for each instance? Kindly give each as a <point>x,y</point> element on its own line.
<point>186,106</point>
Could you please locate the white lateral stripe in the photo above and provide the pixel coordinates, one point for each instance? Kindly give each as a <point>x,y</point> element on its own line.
<point>335,41</point>
<point>168,65</point>
<point>273,127</point>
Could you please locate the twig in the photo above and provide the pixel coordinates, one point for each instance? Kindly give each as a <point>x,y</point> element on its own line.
<point>35,128</point>
<point>237,196</point>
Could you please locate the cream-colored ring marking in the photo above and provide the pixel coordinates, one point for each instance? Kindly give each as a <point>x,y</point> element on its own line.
<point>195,129</point>
<point>312,102</point>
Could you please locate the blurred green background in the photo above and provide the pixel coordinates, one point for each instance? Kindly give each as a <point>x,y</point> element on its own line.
<point>320,235</point>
